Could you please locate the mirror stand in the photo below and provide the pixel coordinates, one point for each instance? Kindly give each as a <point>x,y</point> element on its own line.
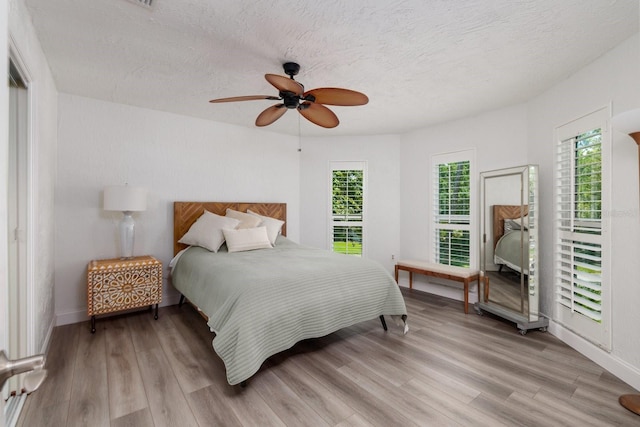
<point>522,323</point>
<point>508,285</point>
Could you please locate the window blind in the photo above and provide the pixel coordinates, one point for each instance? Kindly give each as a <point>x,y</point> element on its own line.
<point>579,215</point>
<point>451,214</point>
<point>347,208</point>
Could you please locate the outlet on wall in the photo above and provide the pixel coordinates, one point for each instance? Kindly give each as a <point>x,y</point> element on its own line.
<point>393,256</point>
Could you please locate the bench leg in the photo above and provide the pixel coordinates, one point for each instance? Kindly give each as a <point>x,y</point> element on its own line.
<point>397,274</point>
<point>411,280</point>
<point>466,296</point>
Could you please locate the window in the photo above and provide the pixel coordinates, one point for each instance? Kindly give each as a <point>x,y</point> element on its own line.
<point>580,276</point>
<point>451,209</point>
<point>346,226</point>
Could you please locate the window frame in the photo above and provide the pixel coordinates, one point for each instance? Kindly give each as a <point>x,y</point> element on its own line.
<point>570,240</point>
<point>336,165</point>
<point>472,226</point>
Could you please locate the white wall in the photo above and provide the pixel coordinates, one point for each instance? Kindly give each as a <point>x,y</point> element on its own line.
<point>382,154</point>
<point>499,140</point>
<point>176,158</point>
<point>43,140</point>
<point>614,78</point>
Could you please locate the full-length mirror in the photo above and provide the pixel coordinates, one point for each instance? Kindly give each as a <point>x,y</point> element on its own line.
<point>508,248</point>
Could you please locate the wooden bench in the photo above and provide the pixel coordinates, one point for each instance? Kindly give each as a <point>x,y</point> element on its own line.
<point>459,274</point>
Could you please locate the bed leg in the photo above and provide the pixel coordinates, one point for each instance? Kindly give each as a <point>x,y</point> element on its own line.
<point>406,326</point>
<point>181,301</point>
<point>384,324</point>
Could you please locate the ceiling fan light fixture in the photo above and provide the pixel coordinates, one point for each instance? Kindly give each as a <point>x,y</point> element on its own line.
<point>290,100</point>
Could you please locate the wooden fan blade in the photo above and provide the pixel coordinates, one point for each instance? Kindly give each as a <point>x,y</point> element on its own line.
<point>318,114</point>
<point>337,96</point>
<point>284,84</point>
<point>270,115</point>
<point>244,98</point>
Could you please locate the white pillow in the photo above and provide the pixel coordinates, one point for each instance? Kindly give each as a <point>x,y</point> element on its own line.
<point>274,226</point>
<point>207,231</point>
<point>246,220</point>
<point>246,239</point>
<point>524,223</point>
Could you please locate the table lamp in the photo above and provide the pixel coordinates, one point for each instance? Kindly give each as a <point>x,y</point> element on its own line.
<point>629,123</point>
<point>127,200</point>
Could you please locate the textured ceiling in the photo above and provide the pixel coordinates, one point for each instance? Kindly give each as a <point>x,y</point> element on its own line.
<point>420,62</point>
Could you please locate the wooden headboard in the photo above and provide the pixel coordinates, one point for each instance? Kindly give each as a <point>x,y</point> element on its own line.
<point>186,213</point>
<point>502,212</point>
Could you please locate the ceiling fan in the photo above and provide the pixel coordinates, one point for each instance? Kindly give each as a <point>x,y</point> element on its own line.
<point>311,104</point>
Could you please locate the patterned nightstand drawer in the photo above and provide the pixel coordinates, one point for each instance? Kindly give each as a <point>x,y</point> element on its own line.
<point>122,284</point>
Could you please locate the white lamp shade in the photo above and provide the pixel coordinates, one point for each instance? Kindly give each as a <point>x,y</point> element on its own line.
<point>125,198</point>
<point>627,122</point>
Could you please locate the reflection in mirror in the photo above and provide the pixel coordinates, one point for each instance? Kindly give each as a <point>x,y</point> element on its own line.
<point>508,253</point>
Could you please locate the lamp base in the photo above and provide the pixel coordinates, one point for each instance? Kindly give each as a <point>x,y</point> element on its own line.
<point>127,233</point>
<point>631,402</point>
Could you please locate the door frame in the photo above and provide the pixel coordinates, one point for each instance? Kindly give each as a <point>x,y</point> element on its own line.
<point>24,332</point>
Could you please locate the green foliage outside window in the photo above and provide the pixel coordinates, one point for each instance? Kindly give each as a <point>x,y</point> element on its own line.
<point>347,195</point>
<point>588,214</point>
<point>347,206</point>
<point>454,189</point>
<point>588,176</point>
<point>454,194</point>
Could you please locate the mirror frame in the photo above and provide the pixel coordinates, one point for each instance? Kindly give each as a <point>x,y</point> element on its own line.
<point>528,195</point>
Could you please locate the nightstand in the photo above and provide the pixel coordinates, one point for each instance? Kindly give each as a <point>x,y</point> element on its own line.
<point>122,284</point>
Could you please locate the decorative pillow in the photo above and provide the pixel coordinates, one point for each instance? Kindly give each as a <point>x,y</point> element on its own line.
<point>207,231</point>
<point>524,223</point>
<point>246,220</point>
<point>246,239</point>
<point>516,223</point>
<point>274,226</point>
<point>510,225</point>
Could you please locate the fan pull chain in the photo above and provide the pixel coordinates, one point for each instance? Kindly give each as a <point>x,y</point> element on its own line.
<point>299,136</point>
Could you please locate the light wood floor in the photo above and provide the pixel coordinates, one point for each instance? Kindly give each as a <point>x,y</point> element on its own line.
<point>451,369</point>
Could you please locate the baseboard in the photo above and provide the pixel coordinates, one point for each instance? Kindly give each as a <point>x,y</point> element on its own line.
<point>81,315</point>
<point>612,363</point>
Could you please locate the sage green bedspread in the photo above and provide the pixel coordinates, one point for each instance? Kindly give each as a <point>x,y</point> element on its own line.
<point>512,249</point>
<point>262,302</point>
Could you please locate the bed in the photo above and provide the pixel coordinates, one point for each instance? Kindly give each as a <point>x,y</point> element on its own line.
<point>261,302</point>
<point>508,235</point>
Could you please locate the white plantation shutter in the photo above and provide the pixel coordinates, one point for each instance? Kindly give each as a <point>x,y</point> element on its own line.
<point>452,198</point>
<point>347,207</point>
<point>581,249</point>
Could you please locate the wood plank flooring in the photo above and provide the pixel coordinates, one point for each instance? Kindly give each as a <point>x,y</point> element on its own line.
<point>450,369</point>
